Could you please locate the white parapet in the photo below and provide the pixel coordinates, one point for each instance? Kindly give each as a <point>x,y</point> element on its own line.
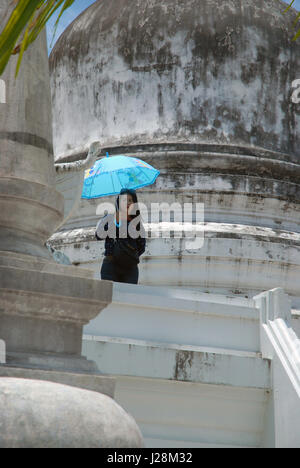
<point>181,316</point>
<point>154,336</point>
<point>173,362</point>
<point>187,365</point>
<point>280,343</point>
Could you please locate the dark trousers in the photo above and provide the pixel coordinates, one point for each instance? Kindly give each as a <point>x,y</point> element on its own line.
<point>111,271</point>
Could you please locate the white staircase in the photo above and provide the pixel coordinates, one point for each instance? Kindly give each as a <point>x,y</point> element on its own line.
<point>202,370</point>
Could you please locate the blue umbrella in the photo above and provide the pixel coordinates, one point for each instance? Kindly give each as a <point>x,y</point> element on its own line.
<point>109,175</point>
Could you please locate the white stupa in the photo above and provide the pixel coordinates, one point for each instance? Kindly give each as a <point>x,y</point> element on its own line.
<point>204,349</point>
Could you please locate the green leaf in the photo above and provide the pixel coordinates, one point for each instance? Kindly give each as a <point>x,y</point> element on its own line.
<point>296,36</point>
<point>17,22</point>
<point>30,16</point>
<point>21,52</point>
<point>42,18</point>
<point>67,4</point>
<point>15,25</point>
<point>287,9</point>
<point>3,61</point>
<point>297,19</point>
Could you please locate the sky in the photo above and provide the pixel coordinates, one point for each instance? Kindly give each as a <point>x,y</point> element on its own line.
<point>80,5</point>
<point>69,15</point>
<point>297,5</point>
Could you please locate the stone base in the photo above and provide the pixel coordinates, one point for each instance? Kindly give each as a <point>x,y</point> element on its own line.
<point>52,362</point>
<point>104,384</point>
<point>43,414</point>
<point>43,307</point>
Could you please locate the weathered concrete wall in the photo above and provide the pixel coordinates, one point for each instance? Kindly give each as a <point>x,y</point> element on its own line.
<point>202,91</point>
<point>239,255</point>
<point>191,71</point>
<point>26,117</point>
<point>36,312</point>
<point>30,207</point>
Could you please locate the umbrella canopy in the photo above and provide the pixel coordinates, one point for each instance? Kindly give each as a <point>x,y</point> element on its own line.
<point>109,175</point>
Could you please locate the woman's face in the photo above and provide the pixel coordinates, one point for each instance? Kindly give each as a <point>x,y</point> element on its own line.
<point>125,202</point>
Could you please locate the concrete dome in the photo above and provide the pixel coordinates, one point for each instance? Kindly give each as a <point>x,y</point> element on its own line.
<point>143,72</point>
<point>39,414</point>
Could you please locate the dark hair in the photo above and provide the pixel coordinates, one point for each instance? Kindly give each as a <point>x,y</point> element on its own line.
<point>131,192</point>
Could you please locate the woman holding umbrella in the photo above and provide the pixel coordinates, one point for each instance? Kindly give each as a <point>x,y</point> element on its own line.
<point>120,175</point>
<point>121,256</point>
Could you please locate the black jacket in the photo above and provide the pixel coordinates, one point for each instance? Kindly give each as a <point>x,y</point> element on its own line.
<point>108,231</point>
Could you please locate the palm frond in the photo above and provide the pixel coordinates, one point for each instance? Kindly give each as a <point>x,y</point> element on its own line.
<point>290,5</point>
<point>27,20</point>
<point>296,20</point>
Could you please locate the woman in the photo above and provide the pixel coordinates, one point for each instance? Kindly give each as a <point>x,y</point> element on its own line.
<point>118,264</point>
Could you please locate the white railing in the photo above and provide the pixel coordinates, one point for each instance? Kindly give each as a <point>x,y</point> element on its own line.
<point>280,344</point>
